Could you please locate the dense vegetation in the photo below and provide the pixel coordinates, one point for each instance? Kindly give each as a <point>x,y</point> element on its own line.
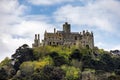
<point>60,63</point>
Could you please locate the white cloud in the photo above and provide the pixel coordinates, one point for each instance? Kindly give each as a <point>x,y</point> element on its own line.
<point>20,34</point>
<point>9,45</point>
<point>10,10</point>
<point>117,47</point>
<point>11,7</point>
<point>102,45</point>
<point>29,28</point>
<point>47,2</point>
<point>16,28</point>
<point>99,14</point>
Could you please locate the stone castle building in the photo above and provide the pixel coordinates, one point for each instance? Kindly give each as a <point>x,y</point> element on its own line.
<point>65,38</point>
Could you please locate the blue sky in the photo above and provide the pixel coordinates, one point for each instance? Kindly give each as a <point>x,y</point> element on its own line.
<point>21,19</point>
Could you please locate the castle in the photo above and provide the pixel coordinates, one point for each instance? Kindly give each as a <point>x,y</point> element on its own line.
<point>65,38</point>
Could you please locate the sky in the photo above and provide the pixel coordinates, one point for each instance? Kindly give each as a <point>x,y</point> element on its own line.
<point>21,19</point>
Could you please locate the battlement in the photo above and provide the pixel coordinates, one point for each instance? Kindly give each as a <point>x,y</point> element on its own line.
<point>86,33</point>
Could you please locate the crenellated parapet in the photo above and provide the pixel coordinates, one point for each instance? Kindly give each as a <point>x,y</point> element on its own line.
<point>86,33</point>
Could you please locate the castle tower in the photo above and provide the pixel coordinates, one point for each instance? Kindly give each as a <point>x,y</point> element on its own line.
<point>66,28</point>
<point>54,30</point>
<point>36,41</point>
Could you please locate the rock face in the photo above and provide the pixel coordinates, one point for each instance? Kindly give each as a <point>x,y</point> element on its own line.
<point>65,38</point>
<point>88,75</point>
<point>115,52</point>
<point>95,75</point>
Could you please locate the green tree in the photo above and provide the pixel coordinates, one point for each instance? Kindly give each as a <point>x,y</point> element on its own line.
<point>116,62</point>
<point>96,64</point>
<point>72,73</point>
<point>117,72</point>
<point>49,73</point>
<point>60,60</point>
<point>54,54</point>
<point>23,53</point>
<point>36,76</point>
<point>57,59</point>
<point>76,55</point>
<point>107,59</point>
<point>5,62</point>
<point>26,68</point>
<point>3,74</point>
<point>87,61</point>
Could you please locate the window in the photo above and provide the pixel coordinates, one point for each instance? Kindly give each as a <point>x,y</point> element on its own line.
<point>75,37</point>
<point>57,43</point>
<point>50,43</point>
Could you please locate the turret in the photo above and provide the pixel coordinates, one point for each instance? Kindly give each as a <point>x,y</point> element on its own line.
<point>92,34</point>
<point>36,41</point>
<point>66,28</point>
<point>54,30</point>
<point>83,32</point>
<point>45,33</point>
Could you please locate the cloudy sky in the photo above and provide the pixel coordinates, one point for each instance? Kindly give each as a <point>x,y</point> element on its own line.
<point>21,19</point>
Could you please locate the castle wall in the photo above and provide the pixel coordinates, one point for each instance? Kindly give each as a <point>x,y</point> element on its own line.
<point>66,37</point>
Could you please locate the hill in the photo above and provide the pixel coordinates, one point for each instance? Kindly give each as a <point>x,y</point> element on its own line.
<point>60,63</point>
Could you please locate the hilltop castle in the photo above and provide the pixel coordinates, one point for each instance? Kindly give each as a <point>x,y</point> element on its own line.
<point>65,38</point>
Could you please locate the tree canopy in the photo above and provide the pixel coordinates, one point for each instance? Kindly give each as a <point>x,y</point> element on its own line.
<point>60,63</point>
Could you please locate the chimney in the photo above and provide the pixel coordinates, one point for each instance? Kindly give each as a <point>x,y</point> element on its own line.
<point>38,36</point>
<point>35,36</point>
<point>38,39</point>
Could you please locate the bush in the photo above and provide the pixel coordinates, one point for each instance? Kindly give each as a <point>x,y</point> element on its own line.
<point>52,73</point>
<point>117,71</point>
<point>3,74</point>
<point>57,59</point>
<point>72,73</point>
<point>76,55</point>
